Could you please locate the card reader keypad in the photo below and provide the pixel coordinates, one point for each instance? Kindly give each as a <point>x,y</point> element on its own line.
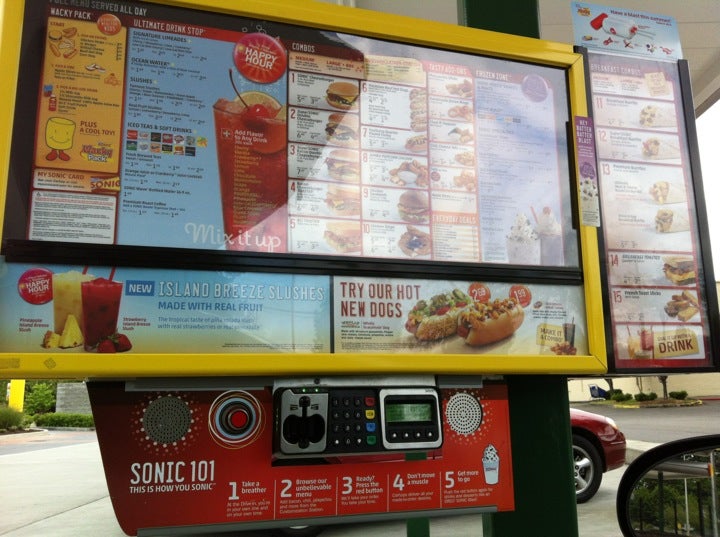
<point>353,424</point>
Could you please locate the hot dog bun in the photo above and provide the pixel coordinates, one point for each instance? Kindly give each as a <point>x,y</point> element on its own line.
<point>437,327</point>
<point>484,323</point>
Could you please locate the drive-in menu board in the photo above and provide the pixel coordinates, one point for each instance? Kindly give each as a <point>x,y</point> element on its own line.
<point>654,262</point>
<point>157,129</point>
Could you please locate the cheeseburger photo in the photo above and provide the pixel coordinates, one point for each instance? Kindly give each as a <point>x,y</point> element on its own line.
<point>343,165</point>
<point>343,200</point>
<point>343,237</point>
<point>342,95</point>
<point>413,206</point>
<point>342,130</point>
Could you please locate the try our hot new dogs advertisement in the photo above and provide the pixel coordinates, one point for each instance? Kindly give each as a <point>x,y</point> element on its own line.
<point>65,309</point>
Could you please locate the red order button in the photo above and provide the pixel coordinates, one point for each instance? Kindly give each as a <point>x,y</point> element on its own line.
<point>239,418</point>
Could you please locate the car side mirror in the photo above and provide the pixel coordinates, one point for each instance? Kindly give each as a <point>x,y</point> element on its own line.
<point>672,489</point>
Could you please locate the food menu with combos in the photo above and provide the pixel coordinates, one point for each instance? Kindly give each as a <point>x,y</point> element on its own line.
<point>291,141</point>
<point>58,309</point>
<point>651,236</point>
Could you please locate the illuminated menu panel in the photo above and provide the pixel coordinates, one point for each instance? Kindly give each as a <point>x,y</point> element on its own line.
<point>651,232</point>
<point>158,128</point>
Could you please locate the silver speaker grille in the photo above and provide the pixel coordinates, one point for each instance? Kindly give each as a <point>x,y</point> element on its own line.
<point>167,420</point>
<point>464,413</point>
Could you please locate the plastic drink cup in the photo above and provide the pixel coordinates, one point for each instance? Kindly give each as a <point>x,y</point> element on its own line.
<point>253,172</point>
<point>569,332</point>
<point>633,344</point>
<point>551,249</point>
<point>491,465</point>
<point>101,305</point>
<point>525,252</point>
<point>491,471</point>
<point>647,340</point>
<point>67,298</point>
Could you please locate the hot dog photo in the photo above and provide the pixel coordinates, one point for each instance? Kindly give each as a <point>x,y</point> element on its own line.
<point>454,317</point>
<point>456,314</point>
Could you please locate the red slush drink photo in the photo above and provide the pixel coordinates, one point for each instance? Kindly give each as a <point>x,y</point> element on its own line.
<point>251,137</point>
<point>101,305</point>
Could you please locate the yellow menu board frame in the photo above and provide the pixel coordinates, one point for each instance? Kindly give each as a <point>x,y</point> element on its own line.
<point>366,24</point>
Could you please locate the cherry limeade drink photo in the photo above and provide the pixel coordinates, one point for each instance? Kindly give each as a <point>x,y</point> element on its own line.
<point>251,137</point>
<point>101,304</point>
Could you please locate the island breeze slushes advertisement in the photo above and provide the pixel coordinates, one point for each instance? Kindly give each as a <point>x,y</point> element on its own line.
<point>654,263</point>
<point>71,309</point>
<point>155,129</point>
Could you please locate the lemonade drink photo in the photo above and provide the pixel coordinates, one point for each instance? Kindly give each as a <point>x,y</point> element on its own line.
<point>67,299</point>
<point>251,137</point>
<point>101,305</point>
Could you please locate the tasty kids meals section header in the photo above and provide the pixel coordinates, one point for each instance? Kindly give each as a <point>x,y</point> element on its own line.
<point>175,128</point>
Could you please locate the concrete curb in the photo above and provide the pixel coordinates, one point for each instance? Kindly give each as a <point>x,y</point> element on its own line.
<point>635,448</point>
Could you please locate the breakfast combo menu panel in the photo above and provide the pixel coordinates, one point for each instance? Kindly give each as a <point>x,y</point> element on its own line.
<point>155,128</point>
<point>654,262</point>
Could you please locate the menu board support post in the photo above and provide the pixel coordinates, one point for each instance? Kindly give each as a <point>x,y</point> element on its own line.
<point>503,17</point>
<point>532,425</point>
<point>528,419</point>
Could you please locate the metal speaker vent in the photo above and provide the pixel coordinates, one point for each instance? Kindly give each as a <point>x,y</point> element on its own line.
<point>167,420</point>
<point>464,413</point>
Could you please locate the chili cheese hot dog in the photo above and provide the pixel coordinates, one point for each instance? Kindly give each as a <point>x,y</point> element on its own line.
<point>482,323</point>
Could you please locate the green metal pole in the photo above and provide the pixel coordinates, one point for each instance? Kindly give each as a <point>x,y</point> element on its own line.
<point>417,527</point>
<point>517,17</point>
<point>539,418</point>
<point>542,461</point>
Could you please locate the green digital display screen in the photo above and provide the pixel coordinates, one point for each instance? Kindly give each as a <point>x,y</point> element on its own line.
<point>408,412</point>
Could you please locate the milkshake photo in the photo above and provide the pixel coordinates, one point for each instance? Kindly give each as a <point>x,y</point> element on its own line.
<point>491,465</point>
<point>523,243</point>
<point>550,233</point>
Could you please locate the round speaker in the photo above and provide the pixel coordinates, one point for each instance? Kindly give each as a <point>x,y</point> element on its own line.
<point>464,413</point>
<point>166,420</point>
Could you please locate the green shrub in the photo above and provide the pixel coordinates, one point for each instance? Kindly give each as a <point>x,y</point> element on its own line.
<point>3,391</point>
<point>10,418</point>
<point>682,394</point>
<point>40,399</point>
<point>64,420</point>
<point>619,396</point>
<point>645,396</point>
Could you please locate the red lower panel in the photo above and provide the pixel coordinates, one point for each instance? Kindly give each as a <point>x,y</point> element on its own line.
<point>177,458</point>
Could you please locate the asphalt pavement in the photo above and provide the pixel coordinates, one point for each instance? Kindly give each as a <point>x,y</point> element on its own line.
<point>52,482</point>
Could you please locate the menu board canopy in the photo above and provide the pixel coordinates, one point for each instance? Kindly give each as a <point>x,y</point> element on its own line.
<point>269,143</point>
